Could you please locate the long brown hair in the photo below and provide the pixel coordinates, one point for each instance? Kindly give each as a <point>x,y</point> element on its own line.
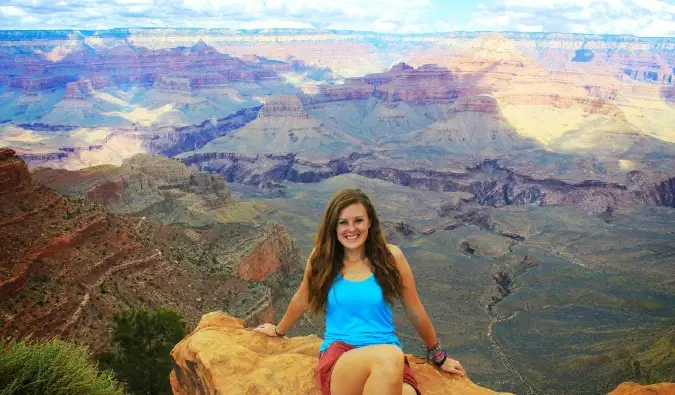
<point>326,260</point>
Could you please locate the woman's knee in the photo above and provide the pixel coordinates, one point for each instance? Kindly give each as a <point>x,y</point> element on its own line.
<point>390,359</point>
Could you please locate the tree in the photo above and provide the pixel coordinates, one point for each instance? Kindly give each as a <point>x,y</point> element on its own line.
<point>144,338</point>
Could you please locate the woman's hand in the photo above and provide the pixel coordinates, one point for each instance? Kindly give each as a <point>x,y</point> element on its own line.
<point>267,329</point>
<point>453,366</point>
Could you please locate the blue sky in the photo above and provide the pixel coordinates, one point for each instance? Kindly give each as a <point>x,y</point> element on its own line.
<point>639,17</point>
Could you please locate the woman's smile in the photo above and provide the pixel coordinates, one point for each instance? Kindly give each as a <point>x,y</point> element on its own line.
<point>352,226</point>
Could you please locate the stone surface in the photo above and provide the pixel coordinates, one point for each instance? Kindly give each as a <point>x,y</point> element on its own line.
<point>13,170</point>
<point>630,388</point>
<point>221,356</point>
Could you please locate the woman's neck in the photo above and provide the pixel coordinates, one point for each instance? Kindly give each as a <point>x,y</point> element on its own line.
<point>356,255</point>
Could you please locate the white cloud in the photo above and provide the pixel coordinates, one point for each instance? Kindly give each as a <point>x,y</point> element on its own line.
<point>529,28</point>
<point>639,17</point>
<point>657,28</point>
<point>376,15</point>
<point>11,11</point>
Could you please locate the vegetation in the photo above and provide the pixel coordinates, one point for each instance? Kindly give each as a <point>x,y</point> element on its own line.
<point>143,339</point>
<point>51,367</point>
<point>657,363</point>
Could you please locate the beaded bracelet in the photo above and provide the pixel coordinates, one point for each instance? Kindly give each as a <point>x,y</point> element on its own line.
<point>434,352</point>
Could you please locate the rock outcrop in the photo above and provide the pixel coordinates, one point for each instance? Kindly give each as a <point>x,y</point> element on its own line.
<point>283,106</point>
<point>142,185</point>
<point>13,170</point>
<point>630,388</point>
<point>80,90</point>
<point>221,356</point>
<point>427,84</point>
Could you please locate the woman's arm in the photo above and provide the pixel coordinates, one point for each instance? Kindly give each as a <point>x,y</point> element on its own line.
<point>296,308</point>
<point>415,311</point>
<point>411,300</point>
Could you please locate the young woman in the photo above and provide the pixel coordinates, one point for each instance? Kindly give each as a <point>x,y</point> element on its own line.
<point>354,276</point>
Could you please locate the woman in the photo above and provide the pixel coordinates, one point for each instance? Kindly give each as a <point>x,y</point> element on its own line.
<point>354,276</point>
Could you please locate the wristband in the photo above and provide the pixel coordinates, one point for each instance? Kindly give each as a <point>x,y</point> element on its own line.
<point>435,351</point>
<point>277,333</point>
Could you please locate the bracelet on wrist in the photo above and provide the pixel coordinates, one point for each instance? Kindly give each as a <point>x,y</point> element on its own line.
<point>437,354</point>
<point>277,333</point>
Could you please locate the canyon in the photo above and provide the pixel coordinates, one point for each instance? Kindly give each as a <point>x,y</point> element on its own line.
<point>529,178</point>
<point>70,264</point>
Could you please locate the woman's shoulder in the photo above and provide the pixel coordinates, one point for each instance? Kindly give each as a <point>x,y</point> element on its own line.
<point>395,250</point>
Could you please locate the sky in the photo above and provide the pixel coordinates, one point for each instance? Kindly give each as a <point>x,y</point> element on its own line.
<point>647,18</point>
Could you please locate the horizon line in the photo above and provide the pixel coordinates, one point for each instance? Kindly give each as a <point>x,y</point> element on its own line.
<point>334,31</point>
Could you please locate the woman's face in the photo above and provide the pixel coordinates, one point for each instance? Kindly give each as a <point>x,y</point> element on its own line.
<point>352,227</point>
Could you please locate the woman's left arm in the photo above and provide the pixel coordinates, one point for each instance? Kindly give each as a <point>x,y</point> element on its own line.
<point>415,311</point>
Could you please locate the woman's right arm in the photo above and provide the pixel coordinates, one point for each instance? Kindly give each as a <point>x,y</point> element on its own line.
<point>296,308</point>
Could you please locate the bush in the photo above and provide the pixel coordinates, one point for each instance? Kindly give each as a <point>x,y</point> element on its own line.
<point>144,340</point>
<point>51,367</point>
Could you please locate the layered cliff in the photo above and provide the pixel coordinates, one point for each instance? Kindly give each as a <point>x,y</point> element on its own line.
<point>284,126</point>
<point>179,69</point>
<point>69,265</point>
<point>13,171</point>
<point>492,183</point>
<point>427,84</point>
<point>145,185</point>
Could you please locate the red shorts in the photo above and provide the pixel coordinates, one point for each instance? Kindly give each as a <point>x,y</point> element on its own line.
<point>329,356</point>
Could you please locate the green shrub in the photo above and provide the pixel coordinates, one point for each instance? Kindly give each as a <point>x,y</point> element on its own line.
<point>51,367</point>
<point>144,340</point>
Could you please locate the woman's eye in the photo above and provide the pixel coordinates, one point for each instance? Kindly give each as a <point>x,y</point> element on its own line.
<point>359,220</point>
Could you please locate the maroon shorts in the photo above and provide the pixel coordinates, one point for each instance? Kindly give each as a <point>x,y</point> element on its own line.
<point>329,356</point>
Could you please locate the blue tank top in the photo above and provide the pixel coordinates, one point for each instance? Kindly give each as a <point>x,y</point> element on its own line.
<point>357,314</point>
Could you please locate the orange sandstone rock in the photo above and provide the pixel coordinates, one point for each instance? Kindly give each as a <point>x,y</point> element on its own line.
<point>630,388</point>
<point>222,357</point>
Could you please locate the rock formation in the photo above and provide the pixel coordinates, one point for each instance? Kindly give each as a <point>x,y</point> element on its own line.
<point>424,85</point>
<point>489,183</point>
<point>283,126</point>
<point>221,356</point>
<point>144,185</point>
<point>80,90</point>
<point>69,266</point>
<point>630,388</point>
<point>13,171</point>
<point>127,63</point>
<point>283,106</point>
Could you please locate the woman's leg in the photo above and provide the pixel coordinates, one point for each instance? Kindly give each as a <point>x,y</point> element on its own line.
<point>408,389</point>
<point>368,370</point>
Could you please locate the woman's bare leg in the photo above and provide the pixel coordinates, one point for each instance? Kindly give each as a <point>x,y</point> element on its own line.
<point>408,389</point>
<point>369,370</point>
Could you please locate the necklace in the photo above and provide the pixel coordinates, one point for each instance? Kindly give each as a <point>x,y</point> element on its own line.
<point>354,263</point>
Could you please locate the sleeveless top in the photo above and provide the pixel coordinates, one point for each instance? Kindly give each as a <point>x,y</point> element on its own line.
<point>357,314</point>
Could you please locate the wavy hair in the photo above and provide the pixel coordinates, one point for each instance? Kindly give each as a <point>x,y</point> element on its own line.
<point>326,260</point>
